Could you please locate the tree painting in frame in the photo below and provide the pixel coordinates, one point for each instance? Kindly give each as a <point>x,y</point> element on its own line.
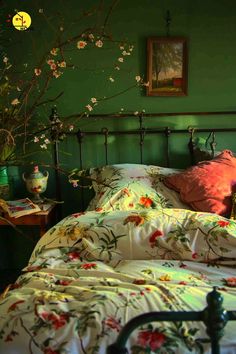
<point>167,66</point>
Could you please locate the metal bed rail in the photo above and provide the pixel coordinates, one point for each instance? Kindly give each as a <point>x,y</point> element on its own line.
<point>214,316</point>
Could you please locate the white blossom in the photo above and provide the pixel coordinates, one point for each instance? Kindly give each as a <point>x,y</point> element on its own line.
<point>111,79</point>
<point>81,44</point>
<point>37,71</point>
<point>91,36</point>
<point>89,107</point>
<point>15,102</point>
<point>99,43</point>
<point>121,60</point>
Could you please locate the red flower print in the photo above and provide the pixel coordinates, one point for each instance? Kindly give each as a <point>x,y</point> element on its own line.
<point>148,289</point>
<point>98,209</point>
<point>57,321</point>
<point>223,223</point>
<point>194,255</point>
<point>146,202</point>
<point>230,282</point>
<point>33,268</point>
<point>76,215</point>
<point>14,306</point>
<point>136,219</point>
<point>50,351</point>
<point>8,338</point>
<point>131,205</point>
<point>126,191</point>
<point>183,283</point>
<point>154,236</point>
<point>182,265</point>
<point>157,340</point>
<point>153,340</point>
<point>113,323</point>
<point>63,282</point>
<point>139,281</point>
<point>73,255</point>
<point>89,265</point>
<point>143,338</point>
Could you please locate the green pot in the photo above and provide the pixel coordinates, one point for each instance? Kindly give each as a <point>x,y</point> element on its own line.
<point>4,183</point>
<point>3,175</point>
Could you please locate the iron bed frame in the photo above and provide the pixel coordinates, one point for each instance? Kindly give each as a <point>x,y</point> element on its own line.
<point>214,316</point>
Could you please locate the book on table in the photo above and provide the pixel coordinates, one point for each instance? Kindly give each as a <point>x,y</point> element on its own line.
<point>20,207</point>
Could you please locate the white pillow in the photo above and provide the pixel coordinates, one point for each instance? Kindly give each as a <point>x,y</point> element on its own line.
<point>132,186</point>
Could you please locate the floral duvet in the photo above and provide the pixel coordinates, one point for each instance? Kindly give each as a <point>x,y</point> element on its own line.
<point>94,271</point>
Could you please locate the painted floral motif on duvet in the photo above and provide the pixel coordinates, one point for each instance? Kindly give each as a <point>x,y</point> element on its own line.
<point>94,271</point>
<point>132,186</point>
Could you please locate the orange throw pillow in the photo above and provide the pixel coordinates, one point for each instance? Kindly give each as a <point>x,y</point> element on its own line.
<point>208,186</point>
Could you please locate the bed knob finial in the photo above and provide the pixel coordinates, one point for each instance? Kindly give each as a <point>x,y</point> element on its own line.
<point>215,316</point>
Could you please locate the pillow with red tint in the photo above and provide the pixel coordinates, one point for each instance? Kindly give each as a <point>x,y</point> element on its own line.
<point>208,186</point>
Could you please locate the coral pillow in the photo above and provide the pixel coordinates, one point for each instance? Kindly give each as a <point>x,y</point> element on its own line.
<point>208,186</point>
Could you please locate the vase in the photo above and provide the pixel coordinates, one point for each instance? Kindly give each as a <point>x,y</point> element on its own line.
<point>4,183</point>
<point>36,183</point>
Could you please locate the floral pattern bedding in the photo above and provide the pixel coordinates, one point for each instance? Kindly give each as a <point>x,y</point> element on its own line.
<point>132,186</point>
<point>93,271</point>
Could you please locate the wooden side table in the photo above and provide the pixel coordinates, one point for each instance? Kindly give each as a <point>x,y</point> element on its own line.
<point>44,218</point>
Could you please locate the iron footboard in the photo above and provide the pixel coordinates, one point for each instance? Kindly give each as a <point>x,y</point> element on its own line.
<point>214,316</point>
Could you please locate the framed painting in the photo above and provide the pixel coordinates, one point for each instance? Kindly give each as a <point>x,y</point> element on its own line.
<point>167,66</point>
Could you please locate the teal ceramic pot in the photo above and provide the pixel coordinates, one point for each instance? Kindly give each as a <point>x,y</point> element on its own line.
<point>3,175</point>
<point>4,183</point>
<point>36,183</point>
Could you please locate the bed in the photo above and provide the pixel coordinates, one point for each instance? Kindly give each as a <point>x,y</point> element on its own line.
<point>138,248</point>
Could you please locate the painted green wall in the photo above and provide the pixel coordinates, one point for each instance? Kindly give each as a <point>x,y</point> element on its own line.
<point>210,27</point>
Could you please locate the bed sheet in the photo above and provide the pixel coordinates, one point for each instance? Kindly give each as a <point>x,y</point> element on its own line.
<point>94,271</point>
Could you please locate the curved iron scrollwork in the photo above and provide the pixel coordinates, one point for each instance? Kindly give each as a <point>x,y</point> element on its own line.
<point>214,316</point>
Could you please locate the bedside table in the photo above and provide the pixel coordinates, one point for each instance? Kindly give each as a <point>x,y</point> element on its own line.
<point>44,218</point>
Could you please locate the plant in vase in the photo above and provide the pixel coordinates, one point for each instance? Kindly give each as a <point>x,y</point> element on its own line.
<point>24,94</point>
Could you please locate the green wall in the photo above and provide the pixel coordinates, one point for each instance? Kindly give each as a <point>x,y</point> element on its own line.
<point>210,27</point>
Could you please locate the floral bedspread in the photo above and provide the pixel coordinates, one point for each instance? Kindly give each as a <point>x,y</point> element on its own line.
<point>94,271</point>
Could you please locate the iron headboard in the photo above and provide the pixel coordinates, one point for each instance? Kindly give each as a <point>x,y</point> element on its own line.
<point>140,131</point>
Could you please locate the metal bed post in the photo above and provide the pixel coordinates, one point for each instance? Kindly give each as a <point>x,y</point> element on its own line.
<point>80,136</point>
<point>191,146</point>
<point>214,316</point>
<point>55,135</point>
<point>167,134</point>
<point>142,134</point>
<point>105,132</point>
